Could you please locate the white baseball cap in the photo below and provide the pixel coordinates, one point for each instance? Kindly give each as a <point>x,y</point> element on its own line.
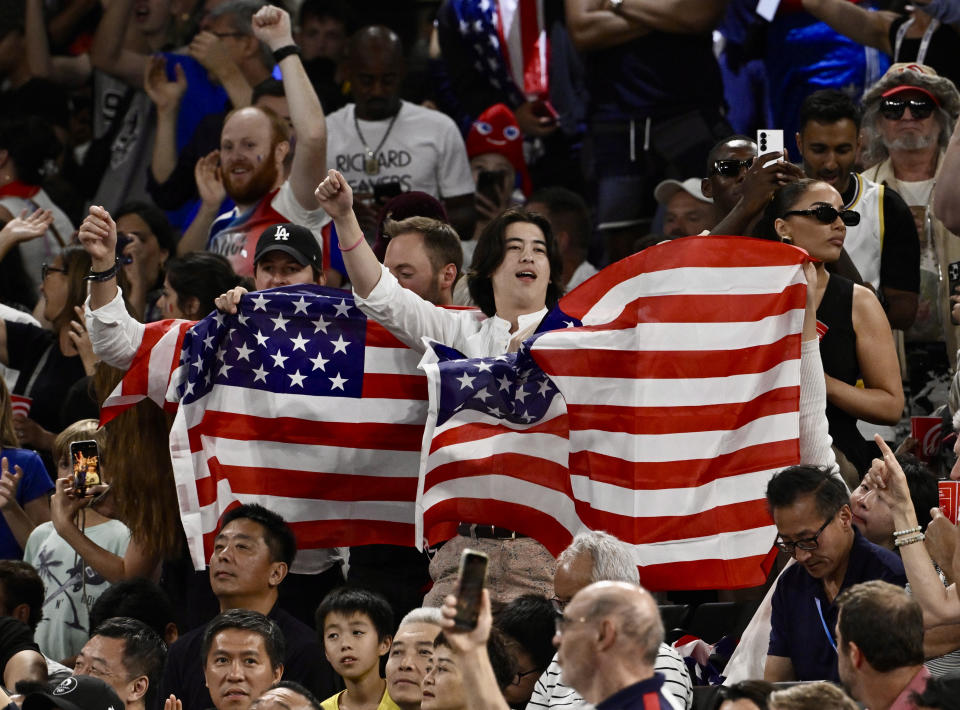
<point>665,191</point>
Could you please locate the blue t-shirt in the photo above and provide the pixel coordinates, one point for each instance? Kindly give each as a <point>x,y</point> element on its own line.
<point>803,623</point>
<point>645,695</point>
<point>35,483</point>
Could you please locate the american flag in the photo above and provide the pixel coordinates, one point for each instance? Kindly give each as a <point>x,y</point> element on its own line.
<point>299,403</point>
<point>657,411</point>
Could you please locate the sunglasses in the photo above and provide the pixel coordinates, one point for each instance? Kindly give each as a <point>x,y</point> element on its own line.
<point>731,167</point>
<point>827,214</point>
<point>892,108</point>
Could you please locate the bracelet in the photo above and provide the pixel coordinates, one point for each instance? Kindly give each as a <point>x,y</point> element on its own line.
<point>283,52</point>
<point>355,245</point>
<point>900,542</point>
<point>103,275</point>
<point>898,533</point>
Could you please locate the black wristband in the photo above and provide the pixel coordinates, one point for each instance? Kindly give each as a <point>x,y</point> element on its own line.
<point>103,275</point>
<point>284,52</point>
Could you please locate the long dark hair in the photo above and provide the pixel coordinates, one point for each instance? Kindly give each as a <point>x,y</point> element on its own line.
<point>781,203</point>
<point>491,248</point>
<point>201,275</point>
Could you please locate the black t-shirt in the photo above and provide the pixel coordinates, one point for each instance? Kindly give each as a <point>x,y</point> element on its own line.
<point>15,636</point>
<point>900,254</point>
<point>305,663</point>
<point>30,348</point>
<point>942,52</point>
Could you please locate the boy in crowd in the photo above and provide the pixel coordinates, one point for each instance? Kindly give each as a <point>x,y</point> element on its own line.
<point>356,628</point>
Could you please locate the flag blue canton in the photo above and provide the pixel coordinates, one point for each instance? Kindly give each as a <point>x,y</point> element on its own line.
<point>509,387</point>
<point>557,319</point>
<point>477,21</point>
<point>291,340</point>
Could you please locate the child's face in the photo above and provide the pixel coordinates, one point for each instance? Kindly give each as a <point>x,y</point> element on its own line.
<point>351,644</point>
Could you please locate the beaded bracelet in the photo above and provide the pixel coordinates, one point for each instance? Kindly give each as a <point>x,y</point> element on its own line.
<point>355,245</point>
<point>898,533</point>
<point>900,542</point>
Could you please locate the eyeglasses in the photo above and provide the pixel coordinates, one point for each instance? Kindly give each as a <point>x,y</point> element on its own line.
<point>45,270</point>
<point>807,544</point>
<point>562,622</point>
<point>892,107</point>
<point>731,167</point>
<point>520,675</point>
<point>827,214</point>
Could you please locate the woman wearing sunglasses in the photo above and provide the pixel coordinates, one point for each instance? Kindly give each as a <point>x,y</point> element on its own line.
<point>856,342</point>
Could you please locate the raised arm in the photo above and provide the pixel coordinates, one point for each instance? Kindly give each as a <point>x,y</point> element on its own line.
<point>108,53</point>
<point>98,235</point>
<point>863,26</point>
<point>271,25</point>
<point>880,400</point>
<point>166,96</point>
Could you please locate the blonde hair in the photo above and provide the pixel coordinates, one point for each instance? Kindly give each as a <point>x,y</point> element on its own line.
<point>8,435</point>
<point>80,430</point>
<point>811,696</point>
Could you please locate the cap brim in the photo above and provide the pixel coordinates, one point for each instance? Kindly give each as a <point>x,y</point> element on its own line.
<point>903,88</point>
<point>286,249</point>
<point>665,191</point>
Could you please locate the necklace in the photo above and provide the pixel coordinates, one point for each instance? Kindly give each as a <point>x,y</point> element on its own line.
<point>371,166</point>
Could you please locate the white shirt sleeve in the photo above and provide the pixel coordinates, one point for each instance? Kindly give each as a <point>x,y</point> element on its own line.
<point>114,333</point>
<point>815,442</point>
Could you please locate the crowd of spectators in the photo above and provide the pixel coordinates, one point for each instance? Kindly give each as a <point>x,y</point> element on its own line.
<point>159,159</point>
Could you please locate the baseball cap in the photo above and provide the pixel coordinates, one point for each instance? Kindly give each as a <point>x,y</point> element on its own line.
<point>665,191</point>
<point>299,242</point>
<point>907,87</point>
<point>77,692</point>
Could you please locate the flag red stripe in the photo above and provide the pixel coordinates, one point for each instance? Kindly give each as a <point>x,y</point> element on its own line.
<point>520,467</point>
<point>684,474</point>
<point>674,420</point>
<point>476,431</point>
<point>391,386</point>
<point>664,364</point>
<point>709,574</point>
<point>290,430</point>
<point>318,534</point>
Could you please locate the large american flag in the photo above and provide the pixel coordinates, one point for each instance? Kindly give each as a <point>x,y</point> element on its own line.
<point>657,412</point>
<point>299,403</point>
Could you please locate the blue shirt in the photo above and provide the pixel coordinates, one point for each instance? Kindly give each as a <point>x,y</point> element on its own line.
<point>805,632</point>
<point>645,695</point>
<point>35,483</point>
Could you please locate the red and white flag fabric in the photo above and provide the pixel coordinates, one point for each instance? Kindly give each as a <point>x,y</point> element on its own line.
<point>301,404</point>
<point>149,373</point>
<point>657,410</point>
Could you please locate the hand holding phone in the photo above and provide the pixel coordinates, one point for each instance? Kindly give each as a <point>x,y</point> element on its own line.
<point>769,140</point>
<point>85,456</point>
<point>473,573</point>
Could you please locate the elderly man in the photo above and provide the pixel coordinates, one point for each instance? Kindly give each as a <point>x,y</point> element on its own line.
<point>410,656</point>
<point>607,640</point>
<point>594,557</point>
<point>907,120</point>
<point>881,665</point>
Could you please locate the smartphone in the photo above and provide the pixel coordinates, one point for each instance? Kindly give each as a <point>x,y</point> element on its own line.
<point>953,279</point>
<point>545,109</point>
<point>85,456</point>
<point>490,183</point>
<point>769,140</point>
<point>473,573</point>
<point>384,191</point>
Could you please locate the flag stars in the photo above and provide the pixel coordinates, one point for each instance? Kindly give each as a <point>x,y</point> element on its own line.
<point>544,388</point>
<point>340,345</point>
<point>521,394</point>
<point>243,352</point>
<point>504,383</point>
<point>188,390</point>
<point>260,303</point>
<point>320,325</point>
<point>466,382</point>
<point>343,309</point>
<point>279,359</point>
<point>296,379</point>
<point>242,318</point>
<point>319,362</point>
<point>483,395</point>
<point>198,363</point>
<point>261,338</point>
<point>279,323</point>
<point>219,318</point>
<point>483,366</point>
<point>224,369</point>
<point>300,306</point>
<point>299,343</point>
<point>221,353</point>
<point>260,375</point>
<point>208,342</point>
<point>337,382</point>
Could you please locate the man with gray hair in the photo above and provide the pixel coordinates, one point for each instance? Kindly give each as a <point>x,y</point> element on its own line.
<point>592,557</point>
<point>410,654</point>
<point>908,116</point>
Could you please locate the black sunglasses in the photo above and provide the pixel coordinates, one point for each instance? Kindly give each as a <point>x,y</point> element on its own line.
<point>731,167</point>
<point>892,107</point>
<point>827,214</point>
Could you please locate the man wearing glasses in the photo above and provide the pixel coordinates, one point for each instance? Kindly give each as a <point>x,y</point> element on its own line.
<point>907,119</point>
<point>811,509</point>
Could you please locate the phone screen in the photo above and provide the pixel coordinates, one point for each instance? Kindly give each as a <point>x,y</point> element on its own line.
<point>85,456</point>
<point>473,572</point>
<point>489,184</point>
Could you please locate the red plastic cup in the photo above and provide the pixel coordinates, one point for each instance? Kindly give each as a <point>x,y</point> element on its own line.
<point>20,405</point>
<point>949,491</point>
<point>928,431</point>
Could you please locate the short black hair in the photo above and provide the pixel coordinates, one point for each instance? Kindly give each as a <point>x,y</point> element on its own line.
<point>530,620</point>
<point>504,666</point>
<point>720,144</point>
<point>828,106</point>
<point>144,652</point>
<point>568,211</point>
<point>922,483</point>
<point>897,640</point>
<point>299,690</point>
<point>247,620</point>
<point>320,9</point>
<point>136,598</point>
<point>22,585</point>
<point>268,87</point>
<point>491,249</point>
<point>154,217</point>
<point>829,491</point>
<point>357,600</point>
<point>276,533</point>
<point>756,691</point>
<point>202,275</point>
<point>32,145</point>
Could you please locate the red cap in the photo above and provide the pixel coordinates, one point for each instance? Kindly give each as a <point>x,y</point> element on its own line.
<point>496,131</point>
<point>907,87</point>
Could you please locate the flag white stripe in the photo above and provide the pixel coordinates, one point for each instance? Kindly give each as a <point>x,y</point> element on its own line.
<point>391,361</point>
<point>472,416</point>
<point>544,446</point>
